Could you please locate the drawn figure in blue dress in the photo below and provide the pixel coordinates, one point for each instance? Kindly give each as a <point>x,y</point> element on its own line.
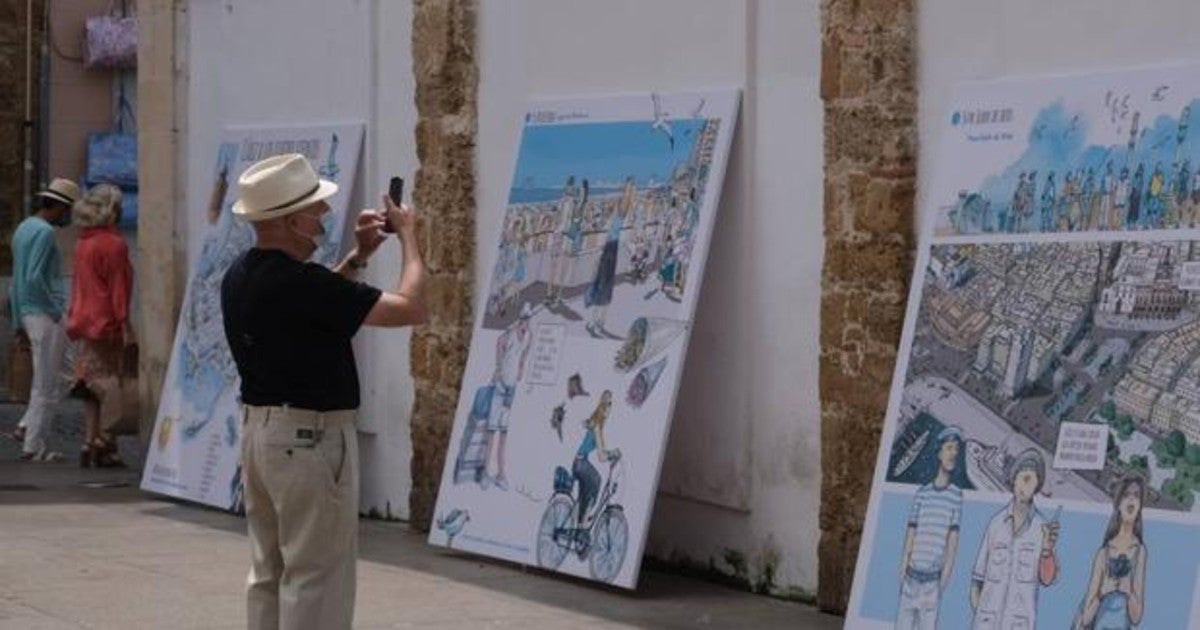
<point>1017,207</point>
<point>1116,592</point>
<point>1133,215</point>
<point>1049,194</point>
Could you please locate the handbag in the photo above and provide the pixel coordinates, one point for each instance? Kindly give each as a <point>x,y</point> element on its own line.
<point>111,42</point>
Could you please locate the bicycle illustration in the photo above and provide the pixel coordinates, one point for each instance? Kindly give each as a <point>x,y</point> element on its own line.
<point>601,537</point>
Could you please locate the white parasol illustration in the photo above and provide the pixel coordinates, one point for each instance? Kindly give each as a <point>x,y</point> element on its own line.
<point>648,337</point>
<point>643,384</point>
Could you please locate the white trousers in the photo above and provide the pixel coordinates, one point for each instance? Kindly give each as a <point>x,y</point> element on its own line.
<point>919,605</point>
<point>47,342</point>
<point>300,470</point>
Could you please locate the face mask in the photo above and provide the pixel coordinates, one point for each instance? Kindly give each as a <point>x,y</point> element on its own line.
<point>319,237</point>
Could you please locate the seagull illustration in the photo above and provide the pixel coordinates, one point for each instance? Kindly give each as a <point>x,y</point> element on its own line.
<point>661,122</point>
<point>699,108</point>
<point>452,523</point>
<point>1159,93</point>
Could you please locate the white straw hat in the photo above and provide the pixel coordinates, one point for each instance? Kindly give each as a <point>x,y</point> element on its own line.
<point>278,186</point>
<point>63,190</point>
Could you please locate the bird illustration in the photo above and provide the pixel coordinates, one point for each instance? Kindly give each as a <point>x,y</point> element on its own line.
<point>556,419</point>
<point>1073,127</point>
<point>452,523</point>
<point>699,108</point>
<point>1159,93</point>
<point>661,120</point>
<point>575,386</point>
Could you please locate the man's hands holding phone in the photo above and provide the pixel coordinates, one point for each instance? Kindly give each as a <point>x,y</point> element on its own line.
<point>373,226</point>
<point>396,216</point>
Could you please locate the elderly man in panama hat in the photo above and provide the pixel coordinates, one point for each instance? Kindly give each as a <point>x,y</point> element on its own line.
<point>289,323</point>
<point>36,299</point>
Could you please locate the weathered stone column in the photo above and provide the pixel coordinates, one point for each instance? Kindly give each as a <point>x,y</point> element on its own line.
<point>159,251</point>
<point>17,70</point>
<point>443,48</point>
<point>868,83</point>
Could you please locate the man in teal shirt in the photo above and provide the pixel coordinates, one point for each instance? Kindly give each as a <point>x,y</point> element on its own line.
<point>36,304</point>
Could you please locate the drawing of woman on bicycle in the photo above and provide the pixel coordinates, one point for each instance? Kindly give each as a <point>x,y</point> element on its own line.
<point>593,441</point>
<point>599,533</point>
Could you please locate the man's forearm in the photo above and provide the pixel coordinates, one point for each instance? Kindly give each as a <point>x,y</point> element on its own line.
<point>412,276</point>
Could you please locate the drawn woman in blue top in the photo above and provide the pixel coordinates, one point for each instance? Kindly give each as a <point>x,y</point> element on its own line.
<point>1116,595</point>
<point>593,441</point>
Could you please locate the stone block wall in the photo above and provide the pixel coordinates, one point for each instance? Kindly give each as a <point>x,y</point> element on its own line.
<point>13,75</point>
<point>444,64</point>
<point>868,85</point>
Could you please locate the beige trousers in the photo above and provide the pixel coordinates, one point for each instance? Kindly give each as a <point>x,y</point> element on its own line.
<point>300,471</point>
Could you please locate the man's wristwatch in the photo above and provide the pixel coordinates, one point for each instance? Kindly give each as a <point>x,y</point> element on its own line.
<point>357,262</point>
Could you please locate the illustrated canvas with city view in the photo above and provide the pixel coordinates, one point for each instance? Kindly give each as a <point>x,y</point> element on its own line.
<point>579,345</point>
<point>1040,460</point>
<point>194,450</point>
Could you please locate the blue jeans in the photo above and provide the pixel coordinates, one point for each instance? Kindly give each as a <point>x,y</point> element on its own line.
<point>589,483</point>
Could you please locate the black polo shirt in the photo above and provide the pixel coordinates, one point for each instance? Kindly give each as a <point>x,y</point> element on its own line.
<point>289,325</point>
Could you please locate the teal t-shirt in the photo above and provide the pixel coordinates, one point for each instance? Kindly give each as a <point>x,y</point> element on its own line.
<point>37,282</point>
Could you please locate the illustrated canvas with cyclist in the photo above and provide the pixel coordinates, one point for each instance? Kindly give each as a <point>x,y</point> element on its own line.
<point>578,349</point>
<point>1039,463</point>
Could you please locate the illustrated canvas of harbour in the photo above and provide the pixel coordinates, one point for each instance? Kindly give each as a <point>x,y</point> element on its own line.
<point>577,353</point>
<point>1100,152</point>
<point>1039,463</point>
<point>1015,341</point>
<point>195,446</point>
<point>1043,429</point>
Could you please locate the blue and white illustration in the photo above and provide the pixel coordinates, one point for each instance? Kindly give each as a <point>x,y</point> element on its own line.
<point>602,218</point>
<point>1106,568</point>
<point>1097,153</point>
<point>200,392</point>
<point>600,253</point>
<point>1053,329</point>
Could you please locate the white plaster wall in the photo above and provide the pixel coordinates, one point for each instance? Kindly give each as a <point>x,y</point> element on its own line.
<point>296,62</point>
<point>979,40</point>
<point>742,472</point>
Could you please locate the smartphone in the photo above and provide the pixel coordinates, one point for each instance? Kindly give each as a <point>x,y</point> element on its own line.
<point>396,194</point>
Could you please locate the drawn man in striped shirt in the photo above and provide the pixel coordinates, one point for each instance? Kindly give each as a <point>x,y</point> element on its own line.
<point>931,540</point>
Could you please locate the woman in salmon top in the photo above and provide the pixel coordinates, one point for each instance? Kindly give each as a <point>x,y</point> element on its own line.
<point>98,318</point>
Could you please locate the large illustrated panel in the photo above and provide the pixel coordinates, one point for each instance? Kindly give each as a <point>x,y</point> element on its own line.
<point>575,361</point>
<point>194,452</point>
